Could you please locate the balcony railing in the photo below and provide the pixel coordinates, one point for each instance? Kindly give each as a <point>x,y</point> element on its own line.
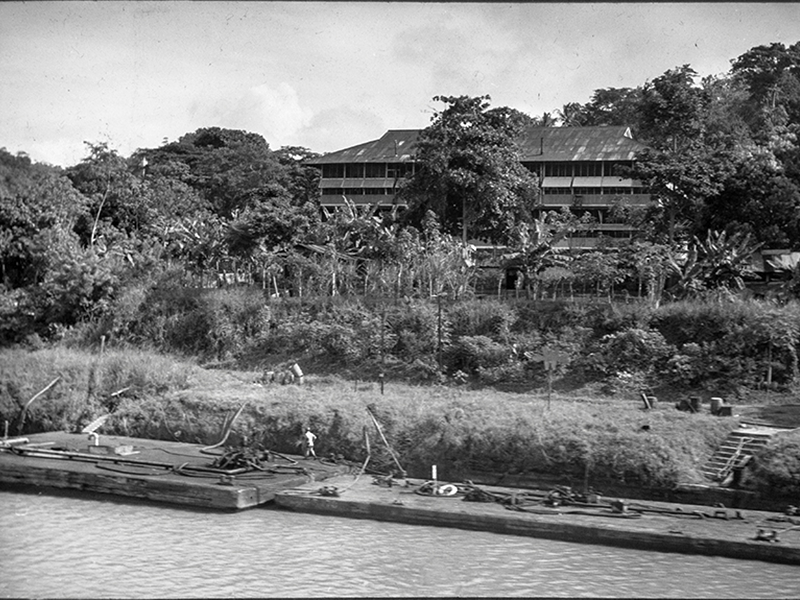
<point>548,200</point>
<point>338,200</point>
<point>596,200</point>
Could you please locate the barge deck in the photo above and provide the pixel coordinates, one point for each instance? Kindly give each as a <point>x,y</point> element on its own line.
<point>666,527</point>
<point>162,471</point>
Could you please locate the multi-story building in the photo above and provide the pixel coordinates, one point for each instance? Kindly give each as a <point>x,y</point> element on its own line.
<point>576,168</point>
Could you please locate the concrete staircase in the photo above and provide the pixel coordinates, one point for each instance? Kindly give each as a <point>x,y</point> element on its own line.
<point>737,447</point>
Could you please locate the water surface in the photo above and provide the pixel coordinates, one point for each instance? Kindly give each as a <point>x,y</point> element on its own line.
<point>68,546</point>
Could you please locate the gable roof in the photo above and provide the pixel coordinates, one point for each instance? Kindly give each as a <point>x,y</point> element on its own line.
<point>536,144</point>
<point>396,145</point>
<point>578,143</point>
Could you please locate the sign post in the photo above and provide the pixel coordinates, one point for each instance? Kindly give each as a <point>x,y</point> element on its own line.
<point>551,358</point>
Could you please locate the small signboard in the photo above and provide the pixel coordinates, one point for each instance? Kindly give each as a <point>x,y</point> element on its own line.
<point>551,358</point>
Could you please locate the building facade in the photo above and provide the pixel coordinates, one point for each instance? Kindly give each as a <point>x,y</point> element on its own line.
<point>576,168</point>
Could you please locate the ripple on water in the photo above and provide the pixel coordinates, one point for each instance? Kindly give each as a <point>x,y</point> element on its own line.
<point>66,547</point>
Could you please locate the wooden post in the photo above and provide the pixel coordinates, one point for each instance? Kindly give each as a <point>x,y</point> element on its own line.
<point>439,346</point>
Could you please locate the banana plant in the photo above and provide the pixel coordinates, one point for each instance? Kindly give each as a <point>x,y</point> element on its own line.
<point>719,261</point>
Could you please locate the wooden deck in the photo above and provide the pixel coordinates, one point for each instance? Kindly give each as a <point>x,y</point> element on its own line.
<point>172,472</point>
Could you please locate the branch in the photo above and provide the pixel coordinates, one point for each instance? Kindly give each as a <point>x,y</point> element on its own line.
<point>21,417</point>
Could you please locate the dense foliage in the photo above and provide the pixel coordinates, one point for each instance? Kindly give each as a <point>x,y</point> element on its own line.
<point>148,249</point>
<point>577,441</point>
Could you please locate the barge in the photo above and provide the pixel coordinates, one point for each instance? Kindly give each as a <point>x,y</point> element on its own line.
<point>204,477</point>
<point>173,472</point>
<point>661,526</point>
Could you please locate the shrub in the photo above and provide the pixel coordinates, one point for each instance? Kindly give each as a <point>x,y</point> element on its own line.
<point>415,327</point>
<point>731,341</point>
<point>481,317</point>
<point>470,353</point>
<point>633,349</point>
<point>776,469</point>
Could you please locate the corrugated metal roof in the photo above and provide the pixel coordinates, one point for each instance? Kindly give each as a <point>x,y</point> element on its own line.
<point>578,143</point>
<point>396,145</point>
<point>536,144</point>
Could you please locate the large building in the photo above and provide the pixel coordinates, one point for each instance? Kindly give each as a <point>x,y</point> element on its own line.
<point>576,168</point>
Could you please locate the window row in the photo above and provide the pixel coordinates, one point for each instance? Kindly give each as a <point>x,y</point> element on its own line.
<point>366,170</point>
<point>550,169</point>
<point>357,191</point>
<point>579,168</point>
<point>592,191</point>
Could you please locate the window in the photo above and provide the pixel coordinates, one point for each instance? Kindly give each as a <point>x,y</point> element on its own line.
<point>399,169</point>
<point>375,170</point>
<point>557,191</point>
<point>354,171</point>
<point>558,169</point>
<point>617,191</point>
<point>588,169</point>
<point>333,171</point>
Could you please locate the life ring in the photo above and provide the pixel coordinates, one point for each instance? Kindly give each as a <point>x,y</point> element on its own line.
<point>447,489</point>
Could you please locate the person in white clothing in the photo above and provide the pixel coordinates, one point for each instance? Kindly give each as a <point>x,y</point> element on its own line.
<point>308,443</point>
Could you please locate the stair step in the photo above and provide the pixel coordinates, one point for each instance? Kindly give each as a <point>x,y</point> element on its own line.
<point>738,445</point>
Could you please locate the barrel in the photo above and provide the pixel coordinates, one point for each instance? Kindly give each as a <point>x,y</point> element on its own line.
<point>716,404</point>
<point>695,403</point>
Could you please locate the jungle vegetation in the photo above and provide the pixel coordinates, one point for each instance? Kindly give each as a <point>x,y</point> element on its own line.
<point>214,247</point>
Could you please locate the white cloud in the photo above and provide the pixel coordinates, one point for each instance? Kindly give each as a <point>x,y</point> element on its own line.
<point>341,127</point>
<point>274,112</point>
<point>331,75</point>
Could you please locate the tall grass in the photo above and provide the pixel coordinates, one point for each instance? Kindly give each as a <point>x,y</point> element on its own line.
<point>463,431</point>
<point>86,386</point>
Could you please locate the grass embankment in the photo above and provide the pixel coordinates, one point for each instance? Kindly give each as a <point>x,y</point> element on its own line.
<point>578,439</point>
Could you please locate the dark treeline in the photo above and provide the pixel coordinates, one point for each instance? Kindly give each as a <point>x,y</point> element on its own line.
<point>90,245</point>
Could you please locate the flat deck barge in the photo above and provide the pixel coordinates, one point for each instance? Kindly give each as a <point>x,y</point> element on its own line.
<point>173,472</point>
<point>662,526</point>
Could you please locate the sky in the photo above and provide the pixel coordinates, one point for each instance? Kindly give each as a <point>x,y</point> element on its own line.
<point>330,75</point>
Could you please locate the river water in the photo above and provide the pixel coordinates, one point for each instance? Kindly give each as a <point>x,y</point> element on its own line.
<point>68,546</point>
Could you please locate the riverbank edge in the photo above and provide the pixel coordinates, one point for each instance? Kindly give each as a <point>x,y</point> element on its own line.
<point>361,501</point>
<point>704,494</point>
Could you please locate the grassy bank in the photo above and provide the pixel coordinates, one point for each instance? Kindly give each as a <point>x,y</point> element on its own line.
<point>577,439</point>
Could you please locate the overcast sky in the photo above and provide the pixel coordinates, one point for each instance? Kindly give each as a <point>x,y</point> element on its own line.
<point>332,75</point>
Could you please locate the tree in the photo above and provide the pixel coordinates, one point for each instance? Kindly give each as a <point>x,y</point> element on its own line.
<point>719,261</point>
<point>680,183</point>
<point>599,268</point>
<point>771,74</point>
<point>534,249</point>
<point>648,261</point>
<point>614,106</point>
<point>469,171</point>
<point>116,198</point>
<point>270,220</point>
<point>34,199</point>
<point>679,168</point>
<point>608,106</point>
<point>757,198</point>
<point>672,110</point>
<point>572,114</point>
<point>223,165</point>
<point>300,180</point>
